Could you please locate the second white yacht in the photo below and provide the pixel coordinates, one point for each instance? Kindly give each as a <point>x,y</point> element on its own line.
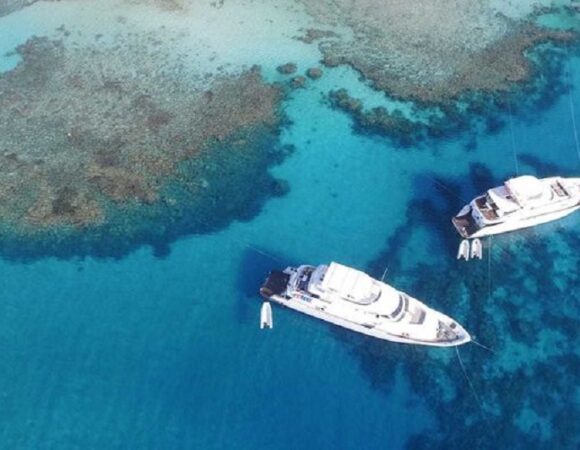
<point>520,203</point>
<point>352,299</point>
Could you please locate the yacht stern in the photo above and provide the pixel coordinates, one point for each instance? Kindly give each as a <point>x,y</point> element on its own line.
<point>275,284</point>
<point>465,224</point>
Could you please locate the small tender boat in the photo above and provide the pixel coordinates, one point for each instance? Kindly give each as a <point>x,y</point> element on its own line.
<point>352,299</point>
<point>476,249</point>
<point>266,319</point>
<point>521,202</point>
<point>463,251</point>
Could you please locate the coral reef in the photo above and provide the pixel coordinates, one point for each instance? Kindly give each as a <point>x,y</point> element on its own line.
<point>298,82</point>
<point>314,73</point>
<point>312,34</point>
<point>287,68</point>
<point>484,112</point>
<point>10,6</point>
<point>430,51</point>
<point>95,137</point>
<point>458,65</point>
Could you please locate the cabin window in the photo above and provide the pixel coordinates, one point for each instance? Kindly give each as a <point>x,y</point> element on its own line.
<point>398,309</point>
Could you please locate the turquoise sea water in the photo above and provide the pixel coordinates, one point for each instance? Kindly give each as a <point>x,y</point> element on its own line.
<point>165,353</point>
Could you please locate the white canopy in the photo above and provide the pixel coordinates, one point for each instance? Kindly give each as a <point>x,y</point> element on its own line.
<point>526,188</point>
<point>350,283</point>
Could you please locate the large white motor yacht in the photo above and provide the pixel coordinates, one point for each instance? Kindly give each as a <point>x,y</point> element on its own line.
<point>352,299</point>
<point>521,202</point>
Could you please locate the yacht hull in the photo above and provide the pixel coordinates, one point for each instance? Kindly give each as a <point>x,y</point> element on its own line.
<point>303,307</point>
<point>514,225</point>
<point>521,202</point>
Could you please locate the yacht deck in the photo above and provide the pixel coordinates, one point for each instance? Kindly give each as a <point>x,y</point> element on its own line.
<point>465,225</point>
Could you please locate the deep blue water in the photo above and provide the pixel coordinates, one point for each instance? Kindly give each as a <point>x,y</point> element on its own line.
<point>166,353</point>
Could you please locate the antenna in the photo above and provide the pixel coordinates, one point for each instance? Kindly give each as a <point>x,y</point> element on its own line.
<point>385,272</point>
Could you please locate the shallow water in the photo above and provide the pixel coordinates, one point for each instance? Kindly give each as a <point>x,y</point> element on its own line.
<point>148,352</point>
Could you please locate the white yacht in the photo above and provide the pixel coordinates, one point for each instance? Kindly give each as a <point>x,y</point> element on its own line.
<point>521,202</point>
<point>352,299</point>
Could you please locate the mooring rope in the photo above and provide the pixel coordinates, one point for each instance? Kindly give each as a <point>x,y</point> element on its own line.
<point>571,104</point>
<point>469,380</point>
<point>257,250</point>
<point>513,140</point>
<point>489,271</point>
<point>572,113</point>
<point>482,346</point>
<point>448,189</point>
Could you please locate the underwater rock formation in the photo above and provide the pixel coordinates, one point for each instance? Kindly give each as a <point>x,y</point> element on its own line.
<point>119,143</point>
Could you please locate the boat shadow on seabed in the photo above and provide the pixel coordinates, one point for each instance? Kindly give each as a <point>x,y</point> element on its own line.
<point>256,263</point>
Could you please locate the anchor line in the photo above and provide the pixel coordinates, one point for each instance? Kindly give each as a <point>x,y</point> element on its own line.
<point>489,271</point>
<point>573,114</point>
<point>473,391</point>
<point>450,191</point>
<point>482,346</point>
<point>272,257</point>
<point>513,140</point>
<point>257,250</point>
<point>571,104</point>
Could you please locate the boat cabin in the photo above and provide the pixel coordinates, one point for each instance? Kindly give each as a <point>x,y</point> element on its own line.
<point>517,193</point>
